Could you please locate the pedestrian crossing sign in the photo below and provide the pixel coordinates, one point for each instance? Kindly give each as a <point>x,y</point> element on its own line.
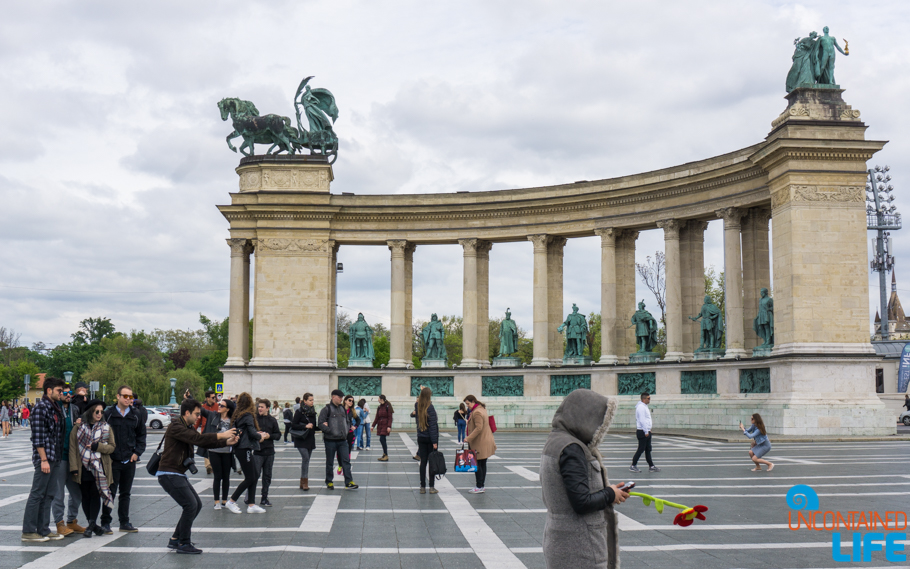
<point>219,388</point>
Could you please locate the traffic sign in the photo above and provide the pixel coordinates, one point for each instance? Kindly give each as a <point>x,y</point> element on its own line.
<point>219,388</point>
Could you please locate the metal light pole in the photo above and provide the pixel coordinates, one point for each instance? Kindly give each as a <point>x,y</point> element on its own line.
<point>173,400</point>
<point>882,216</point>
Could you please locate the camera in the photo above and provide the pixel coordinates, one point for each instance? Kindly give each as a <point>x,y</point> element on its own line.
<point>191,465</point>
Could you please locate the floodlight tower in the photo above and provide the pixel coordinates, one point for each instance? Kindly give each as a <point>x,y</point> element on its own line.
<point>882,216</point>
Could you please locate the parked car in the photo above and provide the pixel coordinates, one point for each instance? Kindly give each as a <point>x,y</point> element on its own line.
<point>157,418</point>
<point>905,418</point>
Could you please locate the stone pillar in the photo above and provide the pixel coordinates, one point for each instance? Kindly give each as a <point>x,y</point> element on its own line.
<point>674,288</point>
<point>733,281</point>
<point>409,300</point>
<point>332,308</point>
<point>483,302</point>
<point>693,283</point>
<point>239,321</point>
<point>756,268</point>
<point>541,297</point>
<point>554,299</point>
<point>469,306</point>
<point>607,296</point>
<point>625,293</point>
<point>399,353</point>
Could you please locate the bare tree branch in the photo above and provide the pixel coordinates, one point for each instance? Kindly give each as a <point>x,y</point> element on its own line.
<point>653,274</point>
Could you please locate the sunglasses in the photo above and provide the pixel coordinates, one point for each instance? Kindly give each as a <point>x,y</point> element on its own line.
<point>222,405</point>
<point>127,397</point>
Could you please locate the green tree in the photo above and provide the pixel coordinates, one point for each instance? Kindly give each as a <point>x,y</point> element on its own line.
<point>381,350</point>
<point>216,332</point>
<point>112,370</point>
<point>12,378</point>
<point>188,379</point>
<point>207,367</point>
<point>93,330</point>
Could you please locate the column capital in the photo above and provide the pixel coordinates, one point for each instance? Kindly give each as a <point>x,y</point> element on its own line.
<point>539,241</point>
<point>240,247</point>
<point>483,247</point>
<point>409,251</point>
<point>670,227</point>
<point>732,216</point>
<point>760,217</point>
<point>627,236</point>
<point>469,246</point>
<point>556,244</point>
<point>697,225</point>
<point>397,247</point>
<point>607,236</point>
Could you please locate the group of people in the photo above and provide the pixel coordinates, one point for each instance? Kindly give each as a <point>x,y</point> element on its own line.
<point>88,450</point>
<point>12,415</point>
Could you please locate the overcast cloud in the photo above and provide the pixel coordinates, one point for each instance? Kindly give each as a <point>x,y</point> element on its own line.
<point>114,155</point>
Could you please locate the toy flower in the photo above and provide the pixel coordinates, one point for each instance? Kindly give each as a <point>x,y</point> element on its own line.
<point>685,518</point>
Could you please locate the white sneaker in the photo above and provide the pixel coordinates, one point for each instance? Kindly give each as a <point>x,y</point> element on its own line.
<point>254,509</point>
<point>233,507</point>
<point>368,448</point>
<point>217,506</point>
<point>476,491</point>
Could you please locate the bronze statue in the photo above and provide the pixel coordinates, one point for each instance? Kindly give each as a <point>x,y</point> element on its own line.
<point>576,328</point>
<point>433,335</point>
<point>361,339</point>
<point>645,329</point>
<point>764,322</point>
<point>508,336</point>
<point>712,325</point>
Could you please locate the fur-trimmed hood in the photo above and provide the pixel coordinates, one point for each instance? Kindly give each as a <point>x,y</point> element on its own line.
<point>586,415</point>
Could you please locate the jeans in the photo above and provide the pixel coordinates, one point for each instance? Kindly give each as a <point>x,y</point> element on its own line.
<point>250,475</point>
<point>64,482</point>
<point>37,516</point>
<point>462,428</point>
<point>264,465</point>
<point>91,498</point>
<point>287,429</point>
<point>358,431</point>
<point>367,435</point>
<point>644,446</point>
<point>339,449</point>
<point>221,469</point>
<point>385,445</point>
<point>480,477</point>
<point>123,475</point>
<point>423,451</point>
<point>180,489</point>
<point>304,462</point>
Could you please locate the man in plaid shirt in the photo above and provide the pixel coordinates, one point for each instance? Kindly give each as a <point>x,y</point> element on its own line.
<point>47,456</point>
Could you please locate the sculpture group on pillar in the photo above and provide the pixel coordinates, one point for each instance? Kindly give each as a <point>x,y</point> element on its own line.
<point>576,327</point>
<point>433,336</point>
<point>764,325</point>
<point>712,331</point>
<point>813,61</point>
<point>361,335</point>
<point>645,336</point>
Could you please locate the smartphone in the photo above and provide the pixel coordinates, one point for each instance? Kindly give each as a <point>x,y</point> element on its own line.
<point>627,486</point>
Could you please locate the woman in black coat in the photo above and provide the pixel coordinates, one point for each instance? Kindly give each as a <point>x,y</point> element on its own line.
<point>304,420</point>
<point>247,426</point>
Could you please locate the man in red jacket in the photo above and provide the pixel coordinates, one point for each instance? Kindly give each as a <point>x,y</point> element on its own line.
<point>209,404</point>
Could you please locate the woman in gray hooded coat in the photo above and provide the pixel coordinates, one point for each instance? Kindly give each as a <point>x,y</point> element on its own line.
<point>581,529</point>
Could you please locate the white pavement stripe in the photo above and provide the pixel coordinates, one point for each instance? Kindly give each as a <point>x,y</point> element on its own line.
<point>321,515</point>
<point>524,473</point>
<point>355,454</point>
<point>13,499</point>
<point>796,460</point>
<point>76,550</point>
<point>628,524</point>
<point>20,471</point>
<point>296,549</point>
<point>482,539</point>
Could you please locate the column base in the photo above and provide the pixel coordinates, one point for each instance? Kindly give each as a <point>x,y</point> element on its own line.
<point>676,357</point>
<point>469,363</point>
<point>398,364</point>
<point>235,362</point>
<point>735,354</point>
<point>607,361</point>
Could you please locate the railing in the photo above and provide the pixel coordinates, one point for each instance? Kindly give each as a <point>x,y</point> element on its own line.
<point>891,221</point>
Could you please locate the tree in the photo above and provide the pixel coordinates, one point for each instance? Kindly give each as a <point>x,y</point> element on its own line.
<point>216,332</point>
<point>179,357</point>
<point>208,367</point>
<point>653,274</point>
<point>93,330</point>
<point>9,341</point>
<point>12,379</point>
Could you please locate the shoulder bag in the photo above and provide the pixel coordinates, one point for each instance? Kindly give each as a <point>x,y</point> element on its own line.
<point>152,464</point>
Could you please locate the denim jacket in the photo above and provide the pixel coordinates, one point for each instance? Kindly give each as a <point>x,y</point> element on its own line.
<point>753,433</point>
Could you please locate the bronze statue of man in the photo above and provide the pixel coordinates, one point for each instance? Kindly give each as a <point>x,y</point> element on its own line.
<point>508,336</point>
<point>764,322</point>
<point>576,328</point>
<point>361,339</point>
<point>433,335</point>
<point>645,329</point>
<point>712,324</point>
<point>825,66</point>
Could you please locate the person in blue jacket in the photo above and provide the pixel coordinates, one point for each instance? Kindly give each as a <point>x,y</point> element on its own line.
<point>761,445</point>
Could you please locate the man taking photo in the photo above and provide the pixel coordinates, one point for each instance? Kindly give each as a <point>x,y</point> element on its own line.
<point>128,426</point>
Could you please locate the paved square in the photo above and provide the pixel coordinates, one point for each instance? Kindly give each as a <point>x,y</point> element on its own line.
<point>386,523</point>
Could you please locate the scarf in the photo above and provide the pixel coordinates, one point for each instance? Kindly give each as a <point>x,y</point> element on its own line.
<point>86,436</point>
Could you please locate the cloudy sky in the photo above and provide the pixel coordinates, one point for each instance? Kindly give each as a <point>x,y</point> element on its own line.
<point>115,157</point>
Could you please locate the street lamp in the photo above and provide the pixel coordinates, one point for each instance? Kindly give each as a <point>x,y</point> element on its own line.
<point>69,377</point>
<point>881,216</point>
<point>173,400</point>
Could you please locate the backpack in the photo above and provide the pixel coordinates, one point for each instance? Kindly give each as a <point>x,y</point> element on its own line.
<point>437,464</point>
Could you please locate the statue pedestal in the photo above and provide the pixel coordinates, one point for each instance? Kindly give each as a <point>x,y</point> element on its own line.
<point>709,354</point>
<point>643,358</point>
<point>507,361</point>
<point>427,363</point>
<point>576,361</point>
<point>761,351</point>
<point>360,363</point>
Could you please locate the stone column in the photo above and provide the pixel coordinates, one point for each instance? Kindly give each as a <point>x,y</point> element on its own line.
<point>674,288</point>
<point>409,300</point>
<point>554,299</point>
<point>239,314</point>
<point>399,355</point>
<point>693,284</point>
<point>541,296</point>
<point>483,302</point>
<point>607,296</point>
<point>469,310</point>
<point>733,281</point>
<point>756,268</point>
<point>332,308</point>
<point>625,293</point>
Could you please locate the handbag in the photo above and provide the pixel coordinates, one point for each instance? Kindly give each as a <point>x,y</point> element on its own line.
<point>299,433</point>
<point>152,464</point>
<point>465,460</point>
<point>492,424</point>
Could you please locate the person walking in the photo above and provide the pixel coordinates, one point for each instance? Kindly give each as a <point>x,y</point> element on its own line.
<point>305,420</point>
<point>219,458</point>
<point>365,422</point>
<point>383,424</point>
<point>265,456</point>
<point>179,439</point>
<point>287,418</point>
<point>461,421</point>
<point>210,404</point>
<point>26,412</point>
<point>249,434</point>
<point>761,444</point>
<point>480,440</point>
<point>643,433</point>
<point>47,457</point>
<point>4,419</point>
<point>73,406</point>
<point>581,528</point>
<point>129,429</point>
<point>275,411</point>
<point>358,424</point>
<point>352,417</point>
<point>907,401</point>
<point>335,424</point>
<point>427,436</point>
<point>91,444</point>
